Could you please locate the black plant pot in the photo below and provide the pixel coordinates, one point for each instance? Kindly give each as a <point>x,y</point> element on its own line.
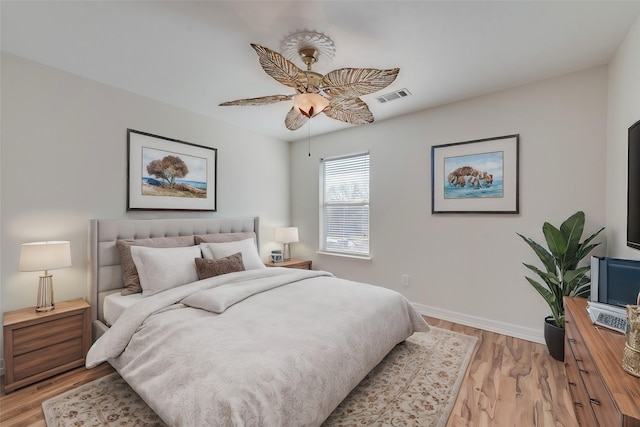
<point>554,337</point>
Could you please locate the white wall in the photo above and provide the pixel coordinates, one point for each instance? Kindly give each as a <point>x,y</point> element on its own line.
<point>624,110</point>
<point>468,267</point>
<point>64,161</point>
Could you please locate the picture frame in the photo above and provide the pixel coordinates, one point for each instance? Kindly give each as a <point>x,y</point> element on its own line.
<point>169,174</point>
<point>479,176</point>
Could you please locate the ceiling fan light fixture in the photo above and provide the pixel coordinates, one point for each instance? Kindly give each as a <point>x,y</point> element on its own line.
<point>336,94</point>
<point>310,104</point>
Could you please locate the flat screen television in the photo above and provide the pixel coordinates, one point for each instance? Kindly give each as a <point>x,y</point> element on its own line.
<point>633,187</point>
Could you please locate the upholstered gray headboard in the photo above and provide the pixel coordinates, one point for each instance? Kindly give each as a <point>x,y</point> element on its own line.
<point>105,270</point>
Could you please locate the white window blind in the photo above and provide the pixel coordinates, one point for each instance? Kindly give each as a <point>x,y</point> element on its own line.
<point>344,205</point>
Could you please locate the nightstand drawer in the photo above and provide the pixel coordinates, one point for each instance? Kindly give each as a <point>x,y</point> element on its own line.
<point>38,345</point>
<point>31,338</point>
<point>300,264</point>
<point>35,362</point>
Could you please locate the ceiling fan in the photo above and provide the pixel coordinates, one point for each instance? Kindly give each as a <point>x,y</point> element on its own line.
<point>336,94</point>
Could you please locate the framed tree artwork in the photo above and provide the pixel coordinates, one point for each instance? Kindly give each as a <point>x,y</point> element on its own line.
<point>168,174</point>
<point>479,176</point>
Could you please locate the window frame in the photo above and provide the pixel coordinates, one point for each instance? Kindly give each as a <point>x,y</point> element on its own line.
<point>322,204</point>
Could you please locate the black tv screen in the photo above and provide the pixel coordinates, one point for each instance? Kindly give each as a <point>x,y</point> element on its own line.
<point>633,188</point>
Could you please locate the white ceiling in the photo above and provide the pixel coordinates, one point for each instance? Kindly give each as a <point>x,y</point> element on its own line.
<point>195,55</point>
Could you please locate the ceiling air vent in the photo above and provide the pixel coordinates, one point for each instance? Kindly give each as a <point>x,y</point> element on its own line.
<point>393,95</point>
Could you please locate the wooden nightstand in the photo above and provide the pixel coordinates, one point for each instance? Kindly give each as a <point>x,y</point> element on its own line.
<point>301,264</point>
<point>39,345</point>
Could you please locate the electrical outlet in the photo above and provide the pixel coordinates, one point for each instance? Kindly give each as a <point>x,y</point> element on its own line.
<point>405,280</point>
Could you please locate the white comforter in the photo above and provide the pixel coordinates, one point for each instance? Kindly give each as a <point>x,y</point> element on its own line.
<point>268,347</point>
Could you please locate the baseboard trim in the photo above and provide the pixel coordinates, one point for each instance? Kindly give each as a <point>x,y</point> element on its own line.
<point>529,334</point>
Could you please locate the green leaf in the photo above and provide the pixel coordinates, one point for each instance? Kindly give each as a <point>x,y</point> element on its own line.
<point>553,302</point>
<point>585,248</point>
<point>560,320</point>
<point>571,230</point>
<point>549,278</point>
<point>593,236</point>
<point>582,291</point>
<point>573,279</point>
<point>555,241</point>
<point>544,255</point>
<point>548,296</point>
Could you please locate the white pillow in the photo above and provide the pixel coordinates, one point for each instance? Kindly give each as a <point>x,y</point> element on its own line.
<point>250,257</point>
<point>165,268</point>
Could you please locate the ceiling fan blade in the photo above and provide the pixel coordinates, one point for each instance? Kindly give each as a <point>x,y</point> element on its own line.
<point>355,82</point>
<point>280,68</point>
<point>350,110</point>
<point>295,119</point>
<point>263,100</point>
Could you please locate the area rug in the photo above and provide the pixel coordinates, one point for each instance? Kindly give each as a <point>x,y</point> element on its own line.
<point>415,385</point>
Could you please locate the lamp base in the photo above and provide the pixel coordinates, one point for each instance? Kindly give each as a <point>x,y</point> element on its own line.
<point>45,293</point>
<point>286,252</point>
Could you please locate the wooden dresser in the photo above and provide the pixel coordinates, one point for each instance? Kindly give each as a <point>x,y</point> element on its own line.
<point>39,345</point>
<point>603,393</point>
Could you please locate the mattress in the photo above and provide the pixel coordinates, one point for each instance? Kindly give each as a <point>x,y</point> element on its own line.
<point>116,303</point>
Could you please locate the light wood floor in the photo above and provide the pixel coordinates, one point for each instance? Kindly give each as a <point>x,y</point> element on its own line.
<point>510,382</point>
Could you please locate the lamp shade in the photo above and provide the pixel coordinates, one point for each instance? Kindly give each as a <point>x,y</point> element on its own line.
<point>310,103</point>
<point>38,256</point>
<point>286,234</point>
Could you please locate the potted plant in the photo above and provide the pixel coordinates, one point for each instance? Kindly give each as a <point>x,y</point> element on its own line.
<point>561,275</point>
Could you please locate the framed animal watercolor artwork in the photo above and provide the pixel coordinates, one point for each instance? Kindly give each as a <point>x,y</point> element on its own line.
<point>479,176</point>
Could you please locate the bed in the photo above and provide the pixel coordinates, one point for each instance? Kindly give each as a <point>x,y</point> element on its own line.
<point>254,346</point>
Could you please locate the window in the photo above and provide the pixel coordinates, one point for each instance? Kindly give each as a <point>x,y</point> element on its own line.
<point>344,205</point>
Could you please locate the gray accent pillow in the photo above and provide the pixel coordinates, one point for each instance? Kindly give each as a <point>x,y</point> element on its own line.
<point>224,237</point>
<point>129,272</point>
<point>215,267</point>
<point>250,256</point>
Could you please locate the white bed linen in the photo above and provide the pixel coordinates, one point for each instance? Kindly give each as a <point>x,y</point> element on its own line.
<point>284,353</point>
<point>116,303</point>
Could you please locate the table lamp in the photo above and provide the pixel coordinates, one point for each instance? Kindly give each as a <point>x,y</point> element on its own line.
<point>38,256</point>
<point>286,235</point>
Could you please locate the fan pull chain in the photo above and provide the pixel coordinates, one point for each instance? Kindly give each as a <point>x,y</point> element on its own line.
<point>309,140</point>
